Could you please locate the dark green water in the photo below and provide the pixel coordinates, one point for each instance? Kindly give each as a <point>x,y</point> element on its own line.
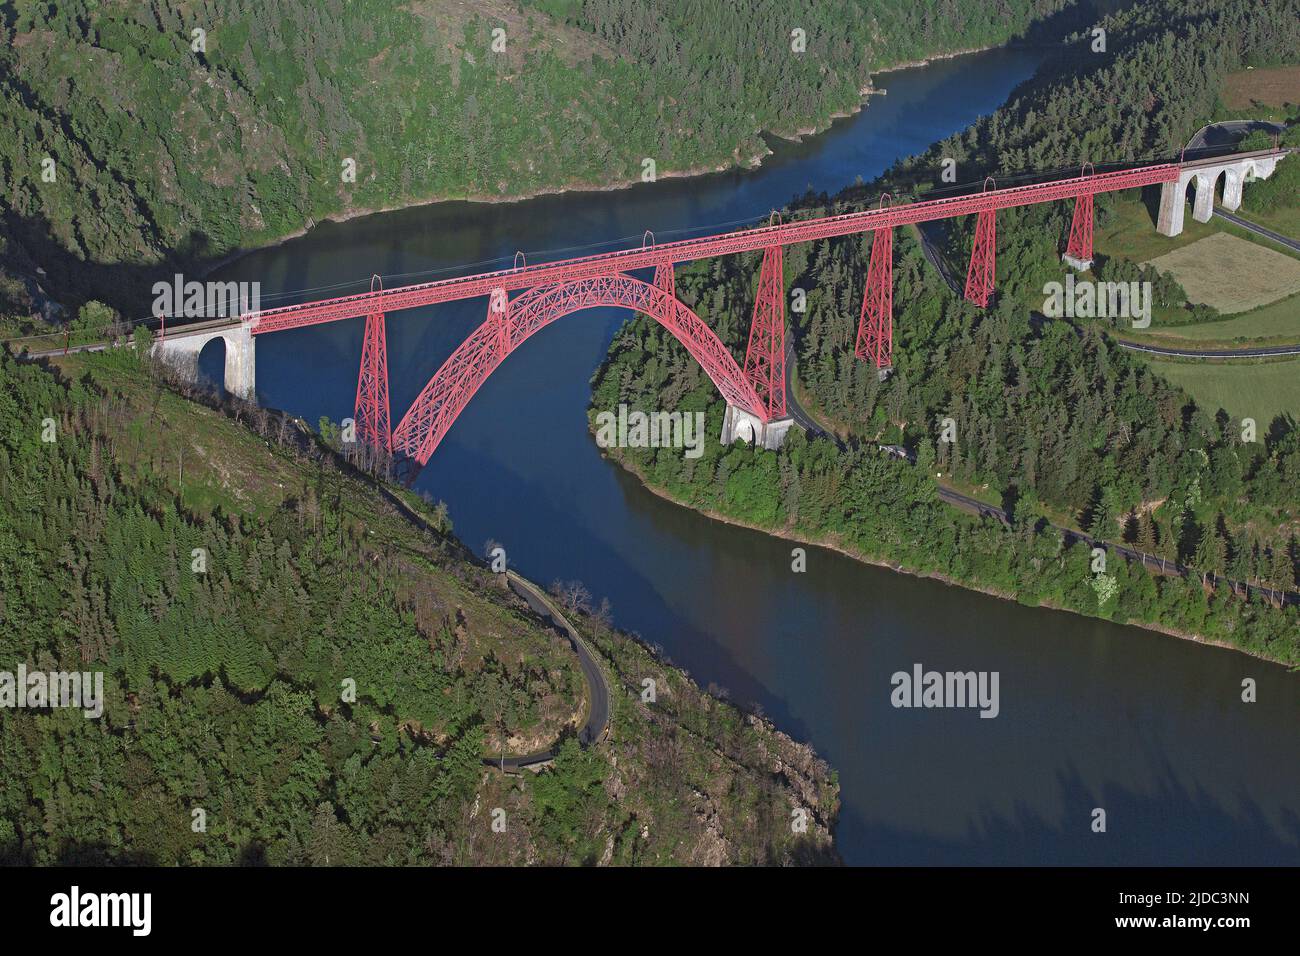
<point>1147,727</point>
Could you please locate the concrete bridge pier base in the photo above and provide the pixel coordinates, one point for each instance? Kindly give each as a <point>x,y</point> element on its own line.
<point>241,364</point>
<point>741,425</point>
<point>1203,208</point>
<point>1232,183</point>
<point>1170,222</point>
<point>181,353</point>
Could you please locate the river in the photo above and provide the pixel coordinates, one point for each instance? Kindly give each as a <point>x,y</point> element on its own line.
<point>1092,715</point>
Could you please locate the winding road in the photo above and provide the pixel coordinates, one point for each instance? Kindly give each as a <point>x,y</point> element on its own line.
<point>936,261</point>
<point>594,676</point>
<point>1244,353</point>
<point>597,687</point>
<point>1229,133</point>
<point>1210,353</point>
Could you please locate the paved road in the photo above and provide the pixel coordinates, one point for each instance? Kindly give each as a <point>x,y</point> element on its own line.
<point>792,406</point>
<point>1257,229</point>
<point>1228,353</point>
<point>1229,132</point>
<point>936,261</point>
<point>597,687</point>
<point>1211,353</point>
<point>541,603</point>
<point>1148,560</point>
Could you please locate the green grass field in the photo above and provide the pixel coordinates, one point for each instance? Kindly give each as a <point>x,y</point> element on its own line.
<point>1267,91</point>
<point>1131,233</point>
<point>1284,221</point>
<point>1245,390</point>
<point>1274,324</point>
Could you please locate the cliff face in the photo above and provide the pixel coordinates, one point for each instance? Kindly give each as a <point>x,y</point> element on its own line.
<point>324,683</point>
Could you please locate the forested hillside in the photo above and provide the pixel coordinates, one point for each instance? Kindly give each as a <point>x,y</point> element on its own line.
<point>1051,420</point>
<point>286,652</point>
<point>1157,82</point>
<point>1059,426</point>
<point>128,141</point>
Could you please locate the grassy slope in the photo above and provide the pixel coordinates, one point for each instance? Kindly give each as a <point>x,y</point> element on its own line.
<point>1267,89</point>
<point>1127,230</point>
<point>213,464</point>
<point>1231,274</point>
<point>1259,391</point>
<point>1284,220</point>
<point>1274,324</point>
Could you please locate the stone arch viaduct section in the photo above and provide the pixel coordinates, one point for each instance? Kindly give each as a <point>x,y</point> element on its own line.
<point>1236,171</point>
<point>181,349</point>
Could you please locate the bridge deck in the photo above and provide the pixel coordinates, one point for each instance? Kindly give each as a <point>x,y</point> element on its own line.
<point>745,240</point>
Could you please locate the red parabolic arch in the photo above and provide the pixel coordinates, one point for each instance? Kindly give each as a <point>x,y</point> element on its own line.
<point>437,406</point>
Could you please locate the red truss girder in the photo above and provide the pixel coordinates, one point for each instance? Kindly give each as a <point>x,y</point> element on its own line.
<point>557,288</point>
<point>665,279</point>
<point>983,254</point>
<point>371,416</point>
<point>1080,245</point>
<point>437,406</point>
<point>371,410</point>
<point>765,356</point>
<point>749,240</point>
<point>876,324</point>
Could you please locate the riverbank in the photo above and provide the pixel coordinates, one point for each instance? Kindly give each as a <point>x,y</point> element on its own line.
<point>749,162</point>
<point>840,430</point>
<point>348,215</point>
<point>833,544</point>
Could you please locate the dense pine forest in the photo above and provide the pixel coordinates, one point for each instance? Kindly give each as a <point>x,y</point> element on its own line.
<point>287,653</point>
<point>138,136</point>
<point>1052,421</point>
<point>1157,81</point>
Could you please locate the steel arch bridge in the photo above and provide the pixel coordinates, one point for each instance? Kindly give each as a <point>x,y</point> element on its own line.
<point>511,322</point>
<point>548,291</point>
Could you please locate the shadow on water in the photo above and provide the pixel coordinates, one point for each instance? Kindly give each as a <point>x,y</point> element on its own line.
<point>1136,826</point>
